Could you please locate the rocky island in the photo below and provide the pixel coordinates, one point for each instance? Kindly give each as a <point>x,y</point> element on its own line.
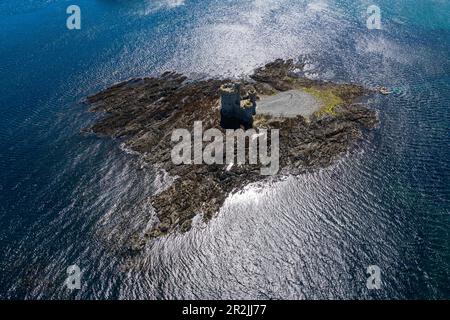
<point>145,111</point>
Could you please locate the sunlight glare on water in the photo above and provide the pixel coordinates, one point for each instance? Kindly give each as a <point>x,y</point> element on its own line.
<point>68,197</point>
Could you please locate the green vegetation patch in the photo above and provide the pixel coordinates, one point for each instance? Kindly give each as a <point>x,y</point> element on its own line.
<point>327,97</point>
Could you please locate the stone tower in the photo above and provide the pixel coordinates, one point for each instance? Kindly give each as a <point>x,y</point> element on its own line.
<point>230,96</point>
<point>235,112</point>
<point>246,111</point>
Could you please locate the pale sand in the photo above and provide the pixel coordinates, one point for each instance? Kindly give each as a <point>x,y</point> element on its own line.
<point>288,104</point>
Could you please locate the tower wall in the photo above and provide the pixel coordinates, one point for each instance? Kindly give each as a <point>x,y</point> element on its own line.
<point>228,101</point>
<point>246,114</point>
<point>234,112</point>
<point>230,96</point>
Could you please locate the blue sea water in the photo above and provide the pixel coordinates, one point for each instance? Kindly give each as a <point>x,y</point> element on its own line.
<point>68,197</point>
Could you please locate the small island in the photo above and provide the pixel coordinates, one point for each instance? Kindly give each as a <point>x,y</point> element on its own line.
<point>317,121</point>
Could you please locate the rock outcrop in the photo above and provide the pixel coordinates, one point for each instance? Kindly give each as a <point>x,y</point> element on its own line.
<point>145,111</point>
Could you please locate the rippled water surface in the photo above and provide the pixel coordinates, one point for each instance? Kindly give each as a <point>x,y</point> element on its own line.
<point>67,197</point>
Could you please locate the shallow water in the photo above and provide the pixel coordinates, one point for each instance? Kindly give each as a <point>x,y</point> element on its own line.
<point>73,198</point>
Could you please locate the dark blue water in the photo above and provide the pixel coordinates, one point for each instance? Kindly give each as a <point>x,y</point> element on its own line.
<point>67,197</point>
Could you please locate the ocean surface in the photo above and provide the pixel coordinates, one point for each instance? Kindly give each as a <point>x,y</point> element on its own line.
<point>69,197</point>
